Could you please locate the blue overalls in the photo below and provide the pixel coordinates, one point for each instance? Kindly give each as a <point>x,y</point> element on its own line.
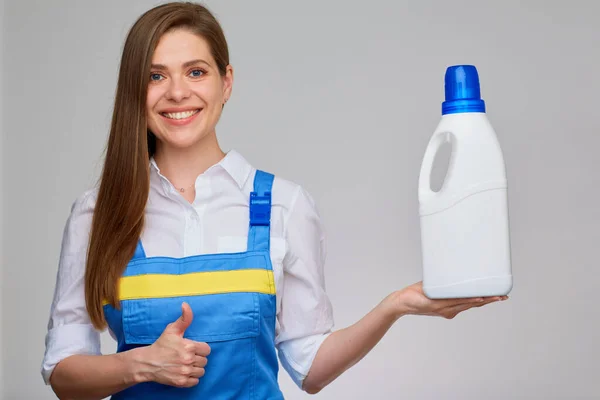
<point>232,297</point>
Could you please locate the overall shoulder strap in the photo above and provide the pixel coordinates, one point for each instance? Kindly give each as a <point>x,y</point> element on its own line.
<point>260,212</point>
<point>139,251</point>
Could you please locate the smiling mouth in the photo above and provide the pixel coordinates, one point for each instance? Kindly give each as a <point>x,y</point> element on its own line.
<point>181,115</point>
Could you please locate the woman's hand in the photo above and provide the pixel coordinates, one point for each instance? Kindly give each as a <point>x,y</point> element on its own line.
<point>172,359</point>
<point>346,347</point>
<point>412,300</point>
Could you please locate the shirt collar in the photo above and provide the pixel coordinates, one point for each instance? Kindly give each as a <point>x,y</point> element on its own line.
<point>233,163</point>
<point>237,167</point>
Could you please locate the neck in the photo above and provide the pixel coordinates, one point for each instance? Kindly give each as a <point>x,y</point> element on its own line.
<point>181,166</point>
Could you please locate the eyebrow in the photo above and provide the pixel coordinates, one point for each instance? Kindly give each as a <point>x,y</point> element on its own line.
<point>186,64</point>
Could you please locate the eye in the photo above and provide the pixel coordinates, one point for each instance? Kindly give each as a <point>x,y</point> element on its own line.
<point>155,77</point>
<point>196,73</point>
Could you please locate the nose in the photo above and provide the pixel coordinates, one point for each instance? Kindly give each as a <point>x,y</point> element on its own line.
<point>178,90</point>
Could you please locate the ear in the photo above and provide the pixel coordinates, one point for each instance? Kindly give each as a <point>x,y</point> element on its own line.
<point>227,83</point>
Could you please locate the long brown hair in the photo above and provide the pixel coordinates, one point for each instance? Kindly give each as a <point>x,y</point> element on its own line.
<point>125,181</point>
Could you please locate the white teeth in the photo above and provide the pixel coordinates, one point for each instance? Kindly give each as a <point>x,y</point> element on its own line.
<point>180,115</point>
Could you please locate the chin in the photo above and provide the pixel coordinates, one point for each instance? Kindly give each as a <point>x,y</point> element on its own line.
<point>182,139</point>
<point>183,143</point>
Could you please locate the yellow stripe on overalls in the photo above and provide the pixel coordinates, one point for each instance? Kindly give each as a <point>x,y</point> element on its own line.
<point>196,283</point>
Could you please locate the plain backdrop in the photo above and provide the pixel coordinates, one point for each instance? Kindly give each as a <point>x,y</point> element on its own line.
<point>2,258</point>
<point>342,97</point>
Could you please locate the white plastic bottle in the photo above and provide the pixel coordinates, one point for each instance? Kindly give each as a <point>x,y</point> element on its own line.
<point>464,226</point>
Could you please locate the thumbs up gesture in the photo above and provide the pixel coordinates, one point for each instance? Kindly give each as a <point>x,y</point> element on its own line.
<point>179,326</point>
<point>172,359</point>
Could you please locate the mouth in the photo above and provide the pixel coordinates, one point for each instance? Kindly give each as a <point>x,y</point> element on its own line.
<point>178,116</point>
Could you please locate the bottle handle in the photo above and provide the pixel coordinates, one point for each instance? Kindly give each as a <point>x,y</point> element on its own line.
<point>425,192</point>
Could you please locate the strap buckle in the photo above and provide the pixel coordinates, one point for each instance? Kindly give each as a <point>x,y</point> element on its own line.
<point>260,209</point>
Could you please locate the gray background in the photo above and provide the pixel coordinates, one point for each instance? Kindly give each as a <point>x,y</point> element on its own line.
<point>341,97</point>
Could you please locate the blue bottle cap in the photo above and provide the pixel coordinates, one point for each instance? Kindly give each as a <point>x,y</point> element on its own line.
<point>462,90</point>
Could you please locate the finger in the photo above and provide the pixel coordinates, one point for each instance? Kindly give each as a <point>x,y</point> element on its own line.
<point>474,301</point>
<point>202,349</point>
<point>186,382</point>
<point>198,348</point>
<point>451,312</point>
<point>485,301</point>
<point>493,299</point>
<point>200,361</point>
<point>183,322</point>
<point>197,372</point>
<point>448,303</point>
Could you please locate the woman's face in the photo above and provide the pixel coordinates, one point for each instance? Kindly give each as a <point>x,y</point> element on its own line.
<point>186,93</point>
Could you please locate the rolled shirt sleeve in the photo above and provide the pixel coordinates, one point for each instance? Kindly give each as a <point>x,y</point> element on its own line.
<point>305,319</point>
<point>70,330</point>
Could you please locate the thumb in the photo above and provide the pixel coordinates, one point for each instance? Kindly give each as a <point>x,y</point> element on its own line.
<point>182,323</point>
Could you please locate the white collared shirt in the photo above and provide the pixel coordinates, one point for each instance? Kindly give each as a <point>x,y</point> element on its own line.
<point>216,222</point>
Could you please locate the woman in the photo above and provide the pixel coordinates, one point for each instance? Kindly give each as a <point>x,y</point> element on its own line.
<point>200,266</point>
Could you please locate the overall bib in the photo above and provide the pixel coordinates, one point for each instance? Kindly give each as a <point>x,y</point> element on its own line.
<point>232,297</point>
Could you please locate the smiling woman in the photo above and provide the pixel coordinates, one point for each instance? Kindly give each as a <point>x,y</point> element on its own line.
<point>205,270</point>
<point>186,94</point>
